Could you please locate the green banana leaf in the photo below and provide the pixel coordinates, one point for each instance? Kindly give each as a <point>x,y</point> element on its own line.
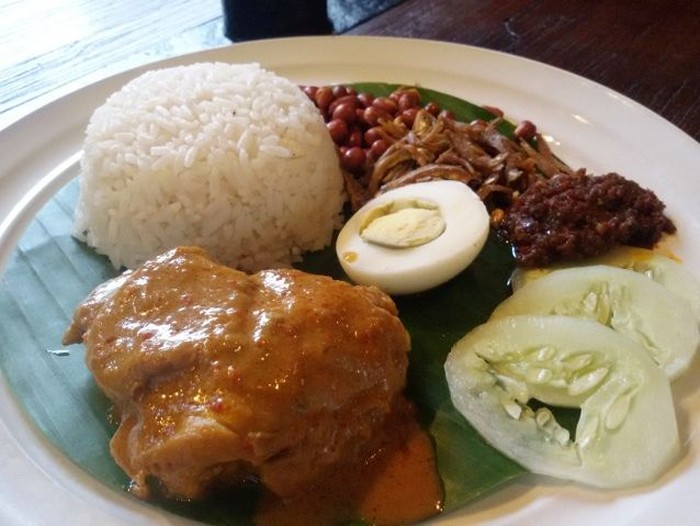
<point>50,273</point>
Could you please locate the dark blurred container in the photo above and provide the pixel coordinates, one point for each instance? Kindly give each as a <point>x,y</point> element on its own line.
<point>254,19</point>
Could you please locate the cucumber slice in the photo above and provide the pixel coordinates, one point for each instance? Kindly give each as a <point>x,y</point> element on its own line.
<point>664,270</point>
<point>626,301</point>
<point>626,434</point>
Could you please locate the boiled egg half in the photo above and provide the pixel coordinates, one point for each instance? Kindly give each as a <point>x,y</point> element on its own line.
<point>415,237</point>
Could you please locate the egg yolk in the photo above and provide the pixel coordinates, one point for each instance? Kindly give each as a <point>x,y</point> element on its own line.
<point>402,223</point>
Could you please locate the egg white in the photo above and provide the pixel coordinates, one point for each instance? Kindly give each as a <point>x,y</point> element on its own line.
<point>416,269</point>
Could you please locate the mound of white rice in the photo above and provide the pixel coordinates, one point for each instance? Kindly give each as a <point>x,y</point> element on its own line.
<point>228,157</point>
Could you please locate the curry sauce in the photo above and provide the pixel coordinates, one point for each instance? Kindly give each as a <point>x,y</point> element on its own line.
<point>396,484</point>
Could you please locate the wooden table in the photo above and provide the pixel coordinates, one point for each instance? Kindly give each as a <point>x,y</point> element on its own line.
<point>649,51</point>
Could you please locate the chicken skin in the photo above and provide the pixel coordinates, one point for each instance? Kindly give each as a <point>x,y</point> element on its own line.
<point>220,377</point>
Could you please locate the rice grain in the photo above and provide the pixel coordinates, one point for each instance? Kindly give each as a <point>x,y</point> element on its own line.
<point>229,157</point>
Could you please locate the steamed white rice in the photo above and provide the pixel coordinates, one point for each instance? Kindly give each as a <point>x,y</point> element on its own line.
<point>228,157</point>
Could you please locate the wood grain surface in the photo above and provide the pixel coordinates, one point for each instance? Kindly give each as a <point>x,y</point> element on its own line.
<point>648,51</point>
<point>60,44</point>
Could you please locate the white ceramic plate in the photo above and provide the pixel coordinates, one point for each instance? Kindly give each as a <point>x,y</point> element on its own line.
<point>588,125</point>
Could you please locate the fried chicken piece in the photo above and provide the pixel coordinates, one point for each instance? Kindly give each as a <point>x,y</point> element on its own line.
<point>220,377</point>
